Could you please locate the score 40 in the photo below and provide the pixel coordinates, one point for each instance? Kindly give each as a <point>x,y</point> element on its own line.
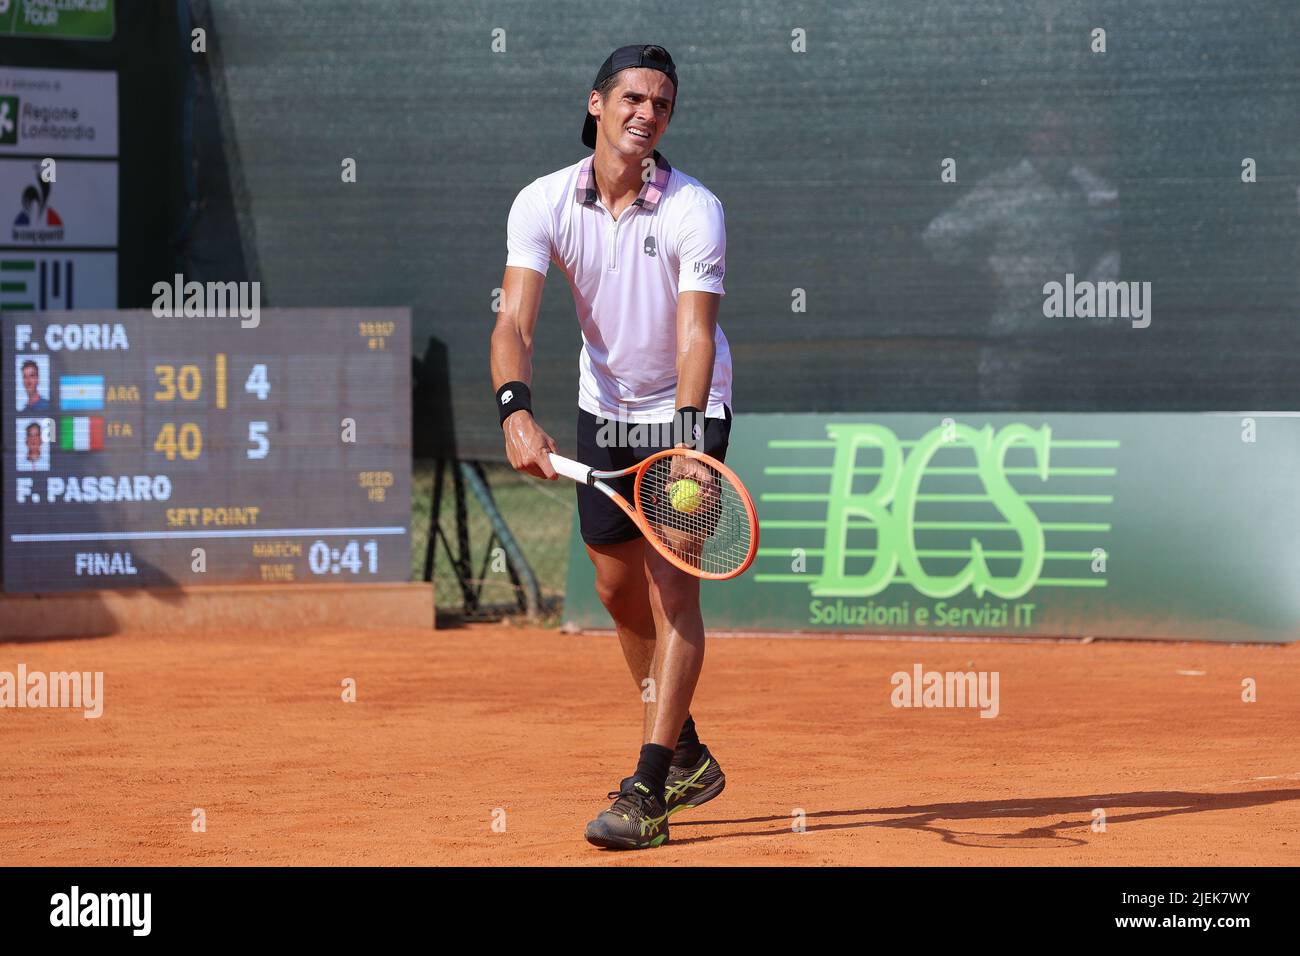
<point>186,384</point>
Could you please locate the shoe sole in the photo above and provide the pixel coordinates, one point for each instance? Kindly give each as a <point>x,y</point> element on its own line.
<point>610,843</point>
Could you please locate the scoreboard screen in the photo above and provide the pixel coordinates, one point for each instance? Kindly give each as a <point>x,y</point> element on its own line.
<point>145,451</point>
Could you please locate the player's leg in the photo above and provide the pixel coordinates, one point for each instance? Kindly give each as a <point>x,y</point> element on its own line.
<point>622,584</point>
<point>615,548</point>
<point>694,776</point>
<point>679,650</point>
<point>638,817</point>
<point>673,760</point>
<point>622,589</point>
<point>674,771</point>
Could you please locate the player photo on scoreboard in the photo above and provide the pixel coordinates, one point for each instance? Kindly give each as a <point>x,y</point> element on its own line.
<point>33,443</point>
<point>32,384</point>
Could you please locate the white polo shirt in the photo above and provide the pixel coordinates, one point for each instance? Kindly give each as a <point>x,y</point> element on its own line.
<point>626,275</point>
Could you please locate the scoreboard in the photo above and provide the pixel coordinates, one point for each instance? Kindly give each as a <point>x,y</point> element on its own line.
<point>147,451</point>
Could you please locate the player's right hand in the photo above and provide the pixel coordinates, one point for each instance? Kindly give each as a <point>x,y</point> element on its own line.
<point>528,447</point>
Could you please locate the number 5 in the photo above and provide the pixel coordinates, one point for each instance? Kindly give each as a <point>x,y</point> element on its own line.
<point>257,435</point>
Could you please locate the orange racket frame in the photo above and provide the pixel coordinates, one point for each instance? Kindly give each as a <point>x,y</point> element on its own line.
<point>585,475</point>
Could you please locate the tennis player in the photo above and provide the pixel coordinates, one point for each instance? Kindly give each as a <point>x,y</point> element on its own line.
<point>643,246</point>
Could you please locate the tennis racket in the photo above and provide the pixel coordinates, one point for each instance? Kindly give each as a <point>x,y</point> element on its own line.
<point>691,508</point>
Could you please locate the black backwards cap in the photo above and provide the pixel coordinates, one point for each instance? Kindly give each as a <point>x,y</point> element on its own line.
<point>625,58</point>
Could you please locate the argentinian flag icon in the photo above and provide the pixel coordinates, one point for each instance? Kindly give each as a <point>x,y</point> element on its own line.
<point>81,393</point>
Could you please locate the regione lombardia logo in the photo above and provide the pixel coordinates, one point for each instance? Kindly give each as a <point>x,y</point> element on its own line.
<point>8,120</point>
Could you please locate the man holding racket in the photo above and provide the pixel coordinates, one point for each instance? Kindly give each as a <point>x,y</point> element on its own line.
<point>643,246</point>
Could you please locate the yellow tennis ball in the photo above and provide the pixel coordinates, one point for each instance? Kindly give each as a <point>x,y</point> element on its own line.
<point>685,495</point>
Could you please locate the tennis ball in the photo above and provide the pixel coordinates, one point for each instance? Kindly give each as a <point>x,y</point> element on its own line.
<point>685,495</point>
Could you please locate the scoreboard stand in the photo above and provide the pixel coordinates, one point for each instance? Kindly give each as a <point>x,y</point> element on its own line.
<point>527,591</point>
<point>219,608</point>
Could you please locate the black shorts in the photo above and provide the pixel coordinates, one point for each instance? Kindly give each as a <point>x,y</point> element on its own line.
<point>600,520</point>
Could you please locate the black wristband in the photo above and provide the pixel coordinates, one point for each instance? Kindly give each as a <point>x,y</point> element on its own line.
<point>513,397</point>
<point>688,427</point>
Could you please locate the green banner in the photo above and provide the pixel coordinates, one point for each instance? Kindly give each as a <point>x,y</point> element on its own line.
<point>1177,526</point>
<point>57,19</point>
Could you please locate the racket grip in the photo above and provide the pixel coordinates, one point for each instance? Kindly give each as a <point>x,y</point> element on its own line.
<point>571,469</point>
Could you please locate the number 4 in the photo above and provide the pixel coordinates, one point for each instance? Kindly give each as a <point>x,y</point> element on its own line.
<point>257,383</point>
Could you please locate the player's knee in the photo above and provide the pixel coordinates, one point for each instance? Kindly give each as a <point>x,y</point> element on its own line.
<point>621,580</point>
<point>615,591</point>
<point>676,594</point>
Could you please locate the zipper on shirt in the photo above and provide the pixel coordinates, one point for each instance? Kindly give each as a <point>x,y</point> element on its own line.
<point>613,241</point>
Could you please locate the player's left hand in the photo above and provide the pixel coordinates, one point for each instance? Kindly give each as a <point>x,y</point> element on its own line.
<point>686,467</point>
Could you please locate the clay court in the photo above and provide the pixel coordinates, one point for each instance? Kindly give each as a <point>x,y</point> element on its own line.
<point>451,725</point>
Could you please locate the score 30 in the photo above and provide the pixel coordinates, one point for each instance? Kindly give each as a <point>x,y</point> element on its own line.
<point>185,383</point>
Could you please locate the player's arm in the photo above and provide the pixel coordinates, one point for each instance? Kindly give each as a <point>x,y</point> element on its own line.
<point>701,254</point>
<point>527,444</point>
<point>697,323</point>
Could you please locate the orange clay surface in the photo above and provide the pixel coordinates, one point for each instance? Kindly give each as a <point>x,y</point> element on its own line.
<point>452,726</point>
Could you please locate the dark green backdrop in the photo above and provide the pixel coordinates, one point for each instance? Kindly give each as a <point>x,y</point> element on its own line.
<point>827,163</point>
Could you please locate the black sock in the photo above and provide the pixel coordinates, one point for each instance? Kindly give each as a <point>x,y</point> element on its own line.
<point>689,749</point>
<point>652,769</point>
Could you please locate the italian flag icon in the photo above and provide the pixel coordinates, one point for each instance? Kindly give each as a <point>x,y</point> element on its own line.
<point>81,433</point>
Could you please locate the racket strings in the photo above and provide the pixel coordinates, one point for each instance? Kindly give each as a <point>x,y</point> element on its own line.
<point>696,512</point>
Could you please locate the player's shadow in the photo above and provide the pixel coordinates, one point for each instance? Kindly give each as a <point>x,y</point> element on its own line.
<point>1052,817</point>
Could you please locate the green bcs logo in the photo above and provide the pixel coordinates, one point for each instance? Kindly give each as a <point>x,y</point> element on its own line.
<point>890,508</point>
